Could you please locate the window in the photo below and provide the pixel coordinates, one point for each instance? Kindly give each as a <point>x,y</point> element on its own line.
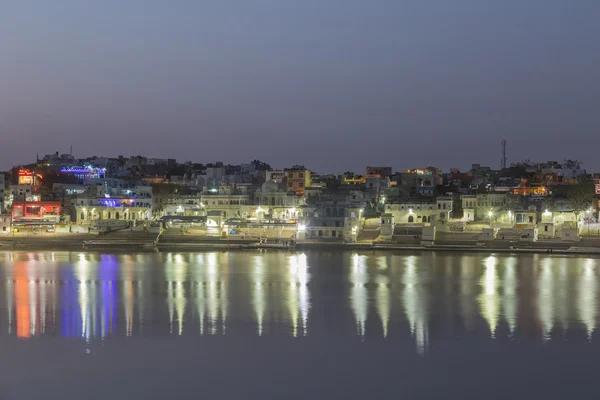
<point>333,233</point>
<point>320,233</point>
<point>546,228</point>
<point>531,219</point>
<point>82,216</point>
<point>439,206</point>
<point>411,219</point>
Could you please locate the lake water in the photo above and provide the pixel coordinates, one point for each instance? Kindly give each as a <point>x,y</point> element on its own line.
<point>276,325</point>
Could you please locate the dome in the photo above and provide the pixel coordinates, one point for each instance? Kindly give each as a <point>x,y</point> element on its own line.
<point>270,186</point>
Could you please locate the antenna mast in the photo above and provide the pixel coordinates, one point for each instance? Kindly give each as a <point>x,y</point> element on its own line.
<point>503,161</point>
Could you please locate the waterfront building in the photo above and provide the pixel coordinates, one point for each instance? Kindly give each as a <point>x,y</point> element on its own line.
<point>36,213</point>
<point>477,207</point>
<point>277,202</point>
<point>87,209</point>
<point>420,210</point>
<point>333,216</point>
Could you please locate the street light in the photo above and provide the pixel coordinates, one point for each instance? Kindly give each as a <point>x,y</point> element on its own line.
<point>490,213</point>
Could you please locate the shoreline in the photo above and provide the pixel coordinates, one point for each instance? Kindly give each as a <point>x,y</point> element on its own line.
<point>73,244</point>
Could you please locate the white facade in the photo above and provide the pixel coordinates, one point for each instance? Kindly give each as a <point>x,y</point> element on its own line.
<point>143,196</point>
<point>4,223</point>
<point>420,212</point>
<point>23,193</point>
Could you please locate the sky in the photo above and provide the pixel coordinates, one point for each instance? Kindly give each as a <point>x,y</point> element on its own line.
<point>332,84</point>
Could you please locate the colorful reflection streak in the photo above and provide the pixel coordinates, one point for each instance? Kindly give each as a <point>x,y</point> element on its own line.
<point>418,297</point>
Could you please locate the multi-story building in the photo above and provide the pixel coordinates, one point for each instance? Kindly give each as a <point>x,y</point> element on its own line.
<point>182,205</point>
<point>232,205</point>
<point>23,193</point>
<point>5,223</point>
<point>420,210</point>
<point>275,175</point>
<point>350,178</point>
<point>36,212</point>
<point>421,182</point>
<point>277,202</point>
<point>381,171</point>
<point>87,209</point>
<point>477,207</point>
<point>298,179</point>
<point>333,216</point>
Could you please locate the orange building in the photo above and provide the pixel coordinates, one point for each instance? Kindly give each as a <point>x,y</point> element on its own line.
<point>30,211</point>
<point>298,178</point>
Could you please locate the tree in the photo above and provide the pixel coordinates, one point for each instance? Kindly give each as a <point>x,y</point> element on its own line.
<point>548,204</point>
<point>580,199</point>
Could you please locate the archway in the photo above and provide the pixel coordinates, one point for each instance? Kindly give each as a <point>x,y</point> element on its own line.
<point>411,219</point>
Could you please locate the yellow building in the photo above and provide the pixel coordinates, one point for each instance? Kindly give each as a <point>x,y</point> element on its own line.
<point>298,178</point>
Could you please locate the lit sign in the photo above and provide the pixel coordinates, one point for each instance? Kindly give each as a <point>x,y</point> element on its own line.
<point>25,177</point>
<point>84,172</point>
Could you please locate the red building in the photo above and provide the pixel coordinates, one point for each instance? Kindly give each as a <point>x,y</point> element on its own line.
<point>36,211</point>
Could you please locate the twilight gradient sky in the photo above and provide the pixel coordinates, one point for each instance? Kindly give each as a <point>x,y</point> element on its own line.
<point>332,84</point>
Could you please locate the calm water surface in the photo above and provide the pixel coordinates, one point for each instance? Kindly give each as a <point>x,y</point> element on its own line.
<point>262,325</point>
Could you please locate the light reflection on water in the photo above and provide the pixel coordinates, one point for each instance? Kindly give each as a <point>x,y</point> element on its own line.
<point>423,296</point>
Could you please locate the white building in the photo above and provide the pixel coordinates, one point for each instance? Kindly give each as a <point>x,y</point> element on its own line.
<point>4,223</point>
<point>420,210</point>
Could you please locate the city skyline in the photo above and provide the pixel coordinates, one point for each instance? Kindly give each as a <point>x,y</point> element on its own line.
<point>333,85</point>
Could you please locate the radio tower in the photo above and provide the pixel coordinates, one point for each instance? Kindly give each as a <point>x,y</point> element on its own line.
<point>503,162</point>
